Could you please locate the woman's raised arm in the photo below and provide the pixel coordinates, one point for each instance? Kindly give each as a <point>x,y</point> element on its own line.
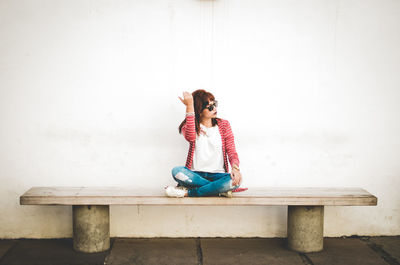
<point>189,129</point>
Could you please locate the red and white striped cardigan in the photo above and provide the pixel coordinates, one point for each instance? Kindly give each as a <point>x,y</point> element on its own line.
<point>228,142</point>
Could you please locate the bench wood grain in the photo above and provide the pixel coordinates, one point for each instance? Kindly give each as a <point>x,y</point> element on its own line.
<point>253,196</point>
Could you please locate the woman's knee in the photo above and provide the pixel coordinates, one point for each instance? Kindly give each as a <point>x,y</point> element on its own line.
<point>182,175</point>
<point>177,170</point>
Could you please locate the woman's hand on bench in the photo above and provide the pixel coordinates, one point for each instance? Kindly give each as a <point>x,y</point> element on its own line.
<point>236,177</point>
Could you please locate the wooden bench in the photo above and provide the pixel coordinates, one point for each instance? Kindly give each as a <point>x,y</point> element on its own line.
<point>91,222</point>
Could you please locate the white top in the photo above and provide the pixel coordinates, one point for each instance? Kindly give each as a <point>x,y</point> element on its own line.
<point>208,155</point>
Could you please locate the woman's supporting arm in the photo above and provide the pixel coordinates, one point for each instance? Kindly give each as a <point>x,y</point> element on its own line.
<point>230,146</point>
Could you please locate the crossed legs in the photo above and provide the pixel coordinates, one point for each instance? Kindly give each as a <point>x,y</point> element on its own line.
<point>200,184</point>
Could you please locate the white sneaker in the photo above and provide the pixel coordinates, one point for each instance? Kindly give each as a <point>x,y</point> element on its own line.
<point>175,192</point>
<point>227,194</point>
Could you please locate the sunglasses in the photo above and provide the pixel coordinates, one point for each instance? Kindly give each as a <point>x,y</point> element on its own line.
<point>212,106</point>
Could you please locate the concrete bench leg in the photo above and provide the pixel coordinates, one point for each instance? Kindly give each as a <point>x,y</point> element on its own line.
<point>305,228</point>
<point>91,225</point>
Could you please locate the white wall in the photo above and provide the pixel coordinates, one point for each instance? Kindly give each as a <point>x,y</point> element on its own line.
<point>89,97</point>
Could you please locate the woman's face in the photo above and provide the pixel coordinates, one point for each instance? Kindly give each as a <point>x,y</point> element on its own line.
<point>207,113</point>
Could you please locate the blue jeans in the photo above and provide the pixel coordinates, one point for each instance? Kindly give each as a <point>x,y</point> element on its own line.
<point>202,184</point>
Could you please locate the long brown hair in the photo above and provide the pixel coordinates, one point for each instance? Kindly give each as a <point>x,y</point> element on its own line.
<point>201,98</point>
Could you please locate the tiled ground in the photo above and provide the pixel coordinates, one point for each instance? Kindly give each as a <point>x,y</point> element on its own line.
<point>207,251</point>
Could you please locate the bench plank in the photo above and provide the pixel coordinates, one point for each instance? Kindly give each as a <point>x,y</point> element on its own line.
<point>140,196</point>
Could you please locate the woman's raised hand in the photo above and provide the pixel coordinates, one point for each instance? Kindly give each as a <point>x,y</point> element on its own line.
<point>187,99</point>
